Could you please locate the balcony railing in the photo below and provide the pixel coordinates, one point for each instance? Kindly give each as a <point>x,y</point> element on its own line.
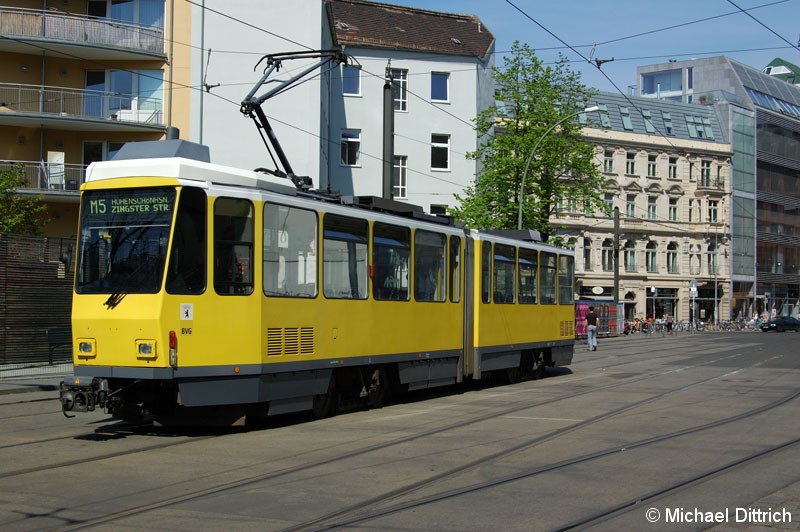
<point>89,31</point>
<point>43,176</point>
<point>708,183</point>
<point>77,103</point>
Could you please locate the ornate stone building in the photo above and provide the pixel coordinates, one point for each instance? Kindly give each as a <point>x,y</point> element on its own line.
<point>668,173</point>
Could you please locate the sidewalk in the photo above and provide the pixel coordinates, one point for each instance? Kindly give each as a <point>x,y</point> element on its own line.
<point>21,378</point>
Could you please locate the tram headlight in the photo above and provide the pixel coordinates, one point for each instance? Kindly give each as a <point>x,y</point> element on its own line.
<point>146,349</point>
<point>87,347</point>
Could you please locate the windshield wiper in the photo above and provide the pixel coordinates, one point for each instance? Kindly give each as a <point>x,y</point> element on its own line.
<point>114,299</point>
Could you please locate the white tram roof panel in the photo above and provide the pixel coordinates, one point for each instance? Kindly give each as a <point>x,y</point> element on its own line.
<point>181,168</point>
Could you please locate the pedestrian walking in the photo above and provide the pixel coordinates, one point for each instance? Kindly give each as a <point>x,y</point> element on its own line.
<point>591,329</point>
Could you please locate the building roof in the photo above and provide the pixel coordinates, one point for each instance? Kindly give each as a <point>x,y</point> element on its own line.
<point>783,69</point>
<point>667,118</point>
<point>368,24</point>
<point>768,92</point>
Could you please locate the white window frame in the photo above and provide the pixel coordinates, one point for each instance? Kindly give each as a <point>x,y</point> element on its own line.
<point>629,253</point>
<point>608,161</point>
<point>587,254</point>
<point>713,211</point>
<point>630,163</point>
<point>350,136</point>
<point>652,161</point>
<point>357,77</point>
<point>651,257</point>
<point>400,88</point>
<point>705,173</point>
<point>608,255</point>
<point>440,146</point>
<point>673,168</point>
<point>672,258</point>
<point>630,205</point>
<point>400,177</point>
<point>446,76</point>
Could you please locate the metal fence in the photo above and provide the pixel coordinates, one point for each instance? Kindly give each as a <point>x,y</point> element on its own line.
<point>35,301</point>
<point>91,31</point>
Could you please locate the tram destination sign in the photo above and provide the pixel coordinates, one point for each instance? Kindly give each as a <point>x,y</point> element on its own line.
<point>153,204</point>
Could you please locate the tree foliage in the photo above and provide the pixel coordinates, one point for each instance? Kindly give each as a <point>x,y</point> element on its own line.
<point>534,97</point>
<point>19,214</point>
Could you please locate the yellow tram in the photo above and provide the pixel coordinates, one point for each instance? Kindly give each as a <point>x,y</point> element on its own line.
<point>216,293</point>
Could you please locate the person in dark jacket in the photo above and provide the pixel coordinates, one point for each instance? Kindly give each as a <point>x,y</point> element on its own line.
<point>591,329</point>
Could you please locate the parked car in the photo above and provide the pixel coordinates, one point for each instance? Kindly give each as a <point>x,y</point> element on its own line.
<point>781,323</point>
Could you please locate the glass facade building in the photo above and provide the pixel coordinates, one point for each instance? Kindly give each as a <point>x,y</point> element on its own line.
<point>763,123</point>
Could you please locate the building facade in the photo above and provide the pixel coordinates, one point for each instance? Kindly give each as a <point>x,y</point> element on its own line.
<point>77,80</point>
<point>667,167</point>
<point>440,66</point>
<point>761,114</point>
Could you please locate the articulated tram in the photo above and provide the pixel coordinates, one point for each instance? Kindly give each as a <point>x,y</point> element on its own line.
<point>213,293</point>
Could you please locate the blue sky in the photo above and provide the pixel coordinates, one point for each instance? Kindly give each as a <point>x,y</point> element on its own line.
<point>684,35</point>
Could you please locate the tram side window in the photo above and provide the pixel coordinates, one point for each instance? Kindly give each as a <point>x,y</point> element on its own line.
<point>290,251</point>
<point>233,246</point>
<point>186,273</point>
<point>505,273</point>
<point>566,295</point>
<point>527,275</point>
<point>344,257</point>
<point>391,255</point>
<point>429,266</point>
<point>486,272</point>
<point>548,278</point>
<point>455,269</point>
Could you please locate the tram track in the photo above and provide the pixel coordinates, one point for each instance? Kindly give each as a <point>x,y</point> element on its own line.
<point>652,496</point>
<point>367,511</point>
<point>323,521</point>
<point>452,426</point>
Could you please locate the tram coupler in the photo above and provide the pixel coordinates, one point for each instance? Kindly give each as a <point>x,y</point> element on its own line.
<point>82,394</point>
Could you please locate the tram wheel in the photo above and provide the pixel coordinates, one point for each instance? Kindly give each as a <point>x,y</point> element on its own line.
<point>325,404</point>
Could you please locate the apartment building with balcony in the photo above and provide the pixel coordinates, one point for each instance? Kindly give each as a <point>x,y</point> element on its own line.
<point>667,167</point>
<point>761,115</point>
<point>79,78</point>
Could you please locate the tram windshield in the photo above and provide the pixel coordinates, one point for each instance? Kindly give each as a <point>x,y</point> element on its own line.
<point>123,240</point>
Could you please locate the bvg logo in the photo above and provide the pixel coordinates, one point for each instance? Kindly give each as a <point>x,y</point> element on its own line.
<point>186,330</point>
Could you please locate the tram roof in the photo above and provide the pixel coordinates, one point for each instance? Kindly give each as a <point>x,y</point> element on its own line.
<point>182,168</point>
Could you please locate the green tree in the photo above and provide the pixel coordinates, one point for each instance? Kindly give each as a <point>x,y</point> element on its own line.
<point>19,214</point>
<point>534,97</point>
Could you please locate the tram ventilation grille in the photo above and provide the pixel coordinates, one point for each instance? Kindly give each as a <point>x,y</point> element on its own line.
<point>567,328</point>
<point>290,341</point>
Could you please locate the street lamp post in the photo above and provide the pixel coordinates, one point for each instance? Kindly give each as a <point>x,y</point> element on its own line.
<point>592,109</point>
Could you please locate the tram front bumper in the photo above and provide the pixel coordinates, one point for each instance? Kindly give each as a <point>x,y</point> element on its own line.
<point>83,394</point>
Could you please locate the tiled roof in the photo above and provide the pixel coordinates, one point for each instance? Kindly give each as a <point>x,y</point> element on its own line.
<point>377,25</point>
